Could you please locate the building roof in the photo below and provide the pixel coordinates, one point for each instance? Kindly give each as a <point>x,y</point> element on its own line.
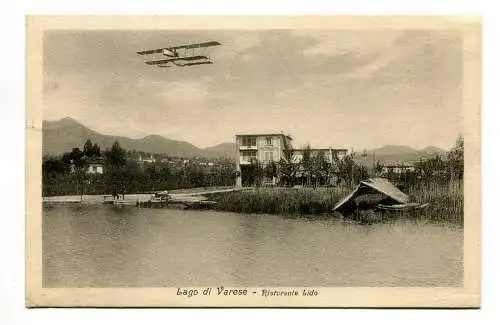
<point>322,149</point>
<point>378,184</point>
<point>264,135</point>
<point>96,160</point>
<point>397,164</point>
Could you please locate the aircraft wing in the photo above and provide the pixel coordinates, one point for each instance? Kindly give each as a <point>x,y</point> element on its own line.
<point>196,63</point>
<point>187,58</point>
<point>150,52</point>
<point>195,46</point>
<point>188,46</point>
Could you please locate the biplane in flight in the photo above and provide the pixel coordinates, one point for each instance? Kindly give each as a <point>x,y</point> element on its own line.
<point>181,56</point>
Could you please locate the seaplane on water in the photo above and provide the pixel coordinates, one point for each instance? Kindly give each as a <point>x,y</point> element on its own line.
<point>181,56</point>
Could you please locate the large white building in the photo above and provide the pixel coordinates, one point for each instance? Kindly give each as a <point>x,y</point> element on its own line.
<point>265,148</point>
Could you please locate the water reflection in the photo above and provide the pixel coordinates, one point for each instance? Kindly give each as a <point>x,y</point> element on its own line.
<point>96,246</point>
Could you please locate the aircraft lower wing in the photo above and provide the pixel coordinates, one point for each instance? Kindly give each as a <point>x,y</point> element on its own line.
<point>195,63</point>
<point>187,58</point>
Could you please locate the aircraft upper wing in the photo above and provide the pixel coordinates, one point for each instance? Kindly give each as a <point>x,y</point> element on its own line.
<point>150,52</point>
<point>187,58</point>
<point>194,46</point>
<point>188,46</point>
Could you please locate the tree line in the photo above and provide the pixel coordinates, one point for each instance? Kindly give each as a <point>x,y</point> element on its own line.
<point>68,174</point>
<point>431,170</point>
<point>312,170</point>
<point>316,170</point>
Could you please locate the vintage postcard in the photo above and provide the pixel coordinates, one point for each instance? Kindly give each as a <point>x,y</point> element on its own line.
<point>181,161</point>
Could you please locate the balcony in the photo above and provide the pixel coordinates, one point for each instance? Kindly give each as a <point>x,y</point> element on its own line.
<point>247,160</point>
<point>253,147</point>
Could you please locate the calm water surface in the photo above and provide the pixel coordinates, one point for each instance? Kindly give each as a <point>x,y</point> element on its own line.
<point>106,246</point>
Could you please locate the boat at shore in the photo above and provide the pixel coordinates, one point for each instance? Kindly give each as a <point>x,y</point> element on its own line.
<point>376,194</point>
<point>116,200</point>
<point>402,207</point>
<point>183,201</point>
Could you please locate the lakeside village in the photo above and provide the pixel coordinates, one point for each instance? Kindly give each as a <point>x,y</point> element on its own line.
<point>265,175</point>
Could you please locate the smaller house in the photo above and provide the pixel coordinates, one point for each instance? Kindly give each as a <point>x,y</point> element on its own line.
<point>95,165</point>
<point>330,154</point>
<point>397,168</point>
<point>149,160</point>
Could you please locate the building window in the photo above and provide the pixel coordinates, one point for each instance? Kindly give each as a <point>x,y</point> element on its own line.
<point>250,154</point>
<point>268,156</point>
<point>249,141</point>
<point>269,141</point>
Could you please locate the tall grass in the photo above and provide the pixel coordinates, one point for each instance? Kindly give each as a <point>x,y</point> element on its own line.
<point>281,200</point>
<point>445,200</point>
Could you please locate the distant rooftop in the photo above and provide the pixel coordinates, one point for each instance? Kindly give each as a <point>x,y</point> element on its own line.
<point>322,149</point>
<point>96,160</point>
<point>264,135</point>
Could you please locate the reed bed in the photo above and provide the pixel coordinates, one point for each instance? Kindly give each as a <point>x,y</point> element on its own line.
<point>446,203</point>
<point>446,200</point>
<point>296,201</point>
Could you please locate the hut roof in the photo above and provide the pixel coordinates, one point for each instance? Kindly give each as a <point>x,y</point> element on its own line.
<point>378,184</point>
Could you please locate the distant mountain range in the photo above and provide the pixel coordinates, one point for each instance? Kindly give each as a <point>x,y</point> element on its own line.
<point>63,135</point>
<point>395,153</point>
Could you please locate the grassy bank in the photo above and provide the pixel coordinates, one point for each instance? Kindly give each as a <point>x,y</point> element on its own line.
<point>281,200</point>
<point>446,201</point>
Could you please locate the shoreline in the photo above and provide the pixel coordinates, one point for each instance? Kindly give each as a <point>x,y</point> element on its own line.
<point>445,202</point>
<point>134,197</point>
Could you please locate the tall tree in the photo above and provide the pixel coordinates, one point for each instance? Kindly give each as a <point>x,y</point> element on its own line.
<point>88,148</point>
<point>78,164</point>
<point>271,170</point>
<point>287,169</point>
<point>320,168</point>
<point>344,169</point>
<point>378,168</point>
<point>115,157</point>
<point>116,173</point>
<point>456,158</point>
<point>96,150</point>
<point>306,163</point>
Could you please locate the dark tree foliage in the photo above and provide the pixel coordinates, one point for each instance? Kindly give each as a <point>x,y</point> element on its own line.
<point>320,169</point>
<point>434,169</point>
<point>91,150</point>
<point>307,163</point>
<point>66,175</point>
<point>287,169</point>
<point>271,170</point>
<point>456,159</point>
<point>255,173</point>
<point>53,166</point>
<point>346,170</point>
<point>88,148</point>
<point>115,157</point>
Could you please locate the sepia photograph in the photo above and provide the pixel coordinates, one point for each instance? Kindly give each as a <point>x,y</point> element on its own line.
<point>253,161</point>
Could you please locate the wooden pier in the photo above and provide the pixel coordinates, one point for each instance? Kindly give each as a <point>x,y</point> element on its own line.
<point>186,198</point>
<point>196,199</point>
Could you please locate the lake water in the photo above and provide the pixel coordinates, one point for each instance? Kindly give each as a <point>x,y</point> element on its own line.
<point>107,246</point>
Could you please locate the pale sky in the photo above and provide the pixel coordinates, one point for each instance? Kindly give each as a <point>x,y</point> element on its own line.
<point>340,88</point>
